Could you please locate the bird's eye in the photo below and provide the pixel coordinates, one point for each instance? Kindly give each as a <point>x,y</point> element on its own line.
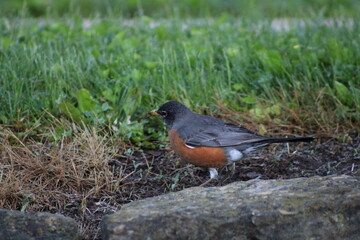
<point>163,113</point>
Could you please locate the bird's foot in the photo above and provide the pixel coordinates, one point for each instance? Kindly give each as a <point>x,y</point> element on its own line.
<point>213,174</point>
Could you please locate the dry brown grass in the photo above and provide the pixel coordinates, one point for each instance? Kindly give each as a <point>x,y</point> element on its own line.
<point>40,176</point>
<point>301,120</point>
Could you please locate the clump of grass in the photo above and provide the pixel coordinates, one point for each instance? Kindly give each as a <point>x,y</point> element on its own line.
<point>83,176</point>
<point>37,175</point>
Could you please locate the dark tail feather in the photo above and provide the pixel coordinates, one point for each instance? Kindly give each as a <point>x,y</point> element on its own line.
<point>294,139</point>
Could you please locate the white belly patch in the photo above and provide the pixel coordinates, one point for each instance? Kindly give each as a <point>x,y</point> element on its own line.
<point>234,155</point>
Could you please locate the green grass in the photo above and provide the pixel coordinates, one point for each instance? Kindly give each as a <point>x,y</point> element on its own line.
<point>184,8</point>
<point>116,70</point>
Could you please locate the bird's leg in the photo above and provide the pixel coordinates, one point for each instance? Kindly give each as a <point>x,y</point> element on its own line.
<point>233,168</point>
<point>213,174</point>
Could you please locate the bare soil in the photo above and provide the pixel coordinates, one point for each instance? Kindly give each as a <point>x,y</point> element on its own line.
<point>153,172</point>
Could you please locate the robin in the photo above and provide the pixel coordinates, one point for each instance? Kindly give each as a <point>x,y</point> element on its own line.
<point>209,142</point>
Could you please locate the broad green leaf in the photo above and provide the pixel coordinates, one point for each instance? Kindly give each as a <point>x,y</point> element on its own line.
<point>5,42</point>
<point>71,112</point>
<point>343,93</point>
<point>3,119</point>
<point>162,33</point>
<point>257,113</point>
<point>146,19</point>
<point>117,39</point>
<point>128,44</point>
<point>57,69</point>
<point>104,73</point>
<point>237,86</point>
<point>61,131</point>
<point>274,110</point>
<point>95,53</point>
<point>232,51</point>
<point>150,64</point>
<point>85,101</point>
<point>248,100</point>
<point>105,107</point>
<point>136,74</point>
<point>109,95</point>
<point>271,59</point>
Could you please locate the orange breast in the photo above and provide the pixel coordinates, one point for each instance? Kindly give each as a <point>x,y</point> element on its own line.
<point>210,157</point>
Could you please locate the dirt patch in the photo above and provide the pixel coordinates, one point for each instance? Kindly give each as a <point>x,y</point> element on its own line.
<point>153,173</point>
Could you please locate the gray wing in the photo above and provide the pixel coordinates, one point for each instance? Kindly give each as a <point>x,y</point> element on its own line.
<point>223,139</point>
<point>209,133</point>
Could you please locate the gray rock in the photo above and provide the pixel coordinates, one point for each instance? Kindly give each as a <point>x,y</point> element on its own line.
<point>303,208</point>
<point>16,225</point>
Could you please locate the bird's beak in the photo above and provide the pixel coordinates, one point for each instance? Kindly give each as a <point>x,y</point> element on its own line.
<point>154,113</point>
